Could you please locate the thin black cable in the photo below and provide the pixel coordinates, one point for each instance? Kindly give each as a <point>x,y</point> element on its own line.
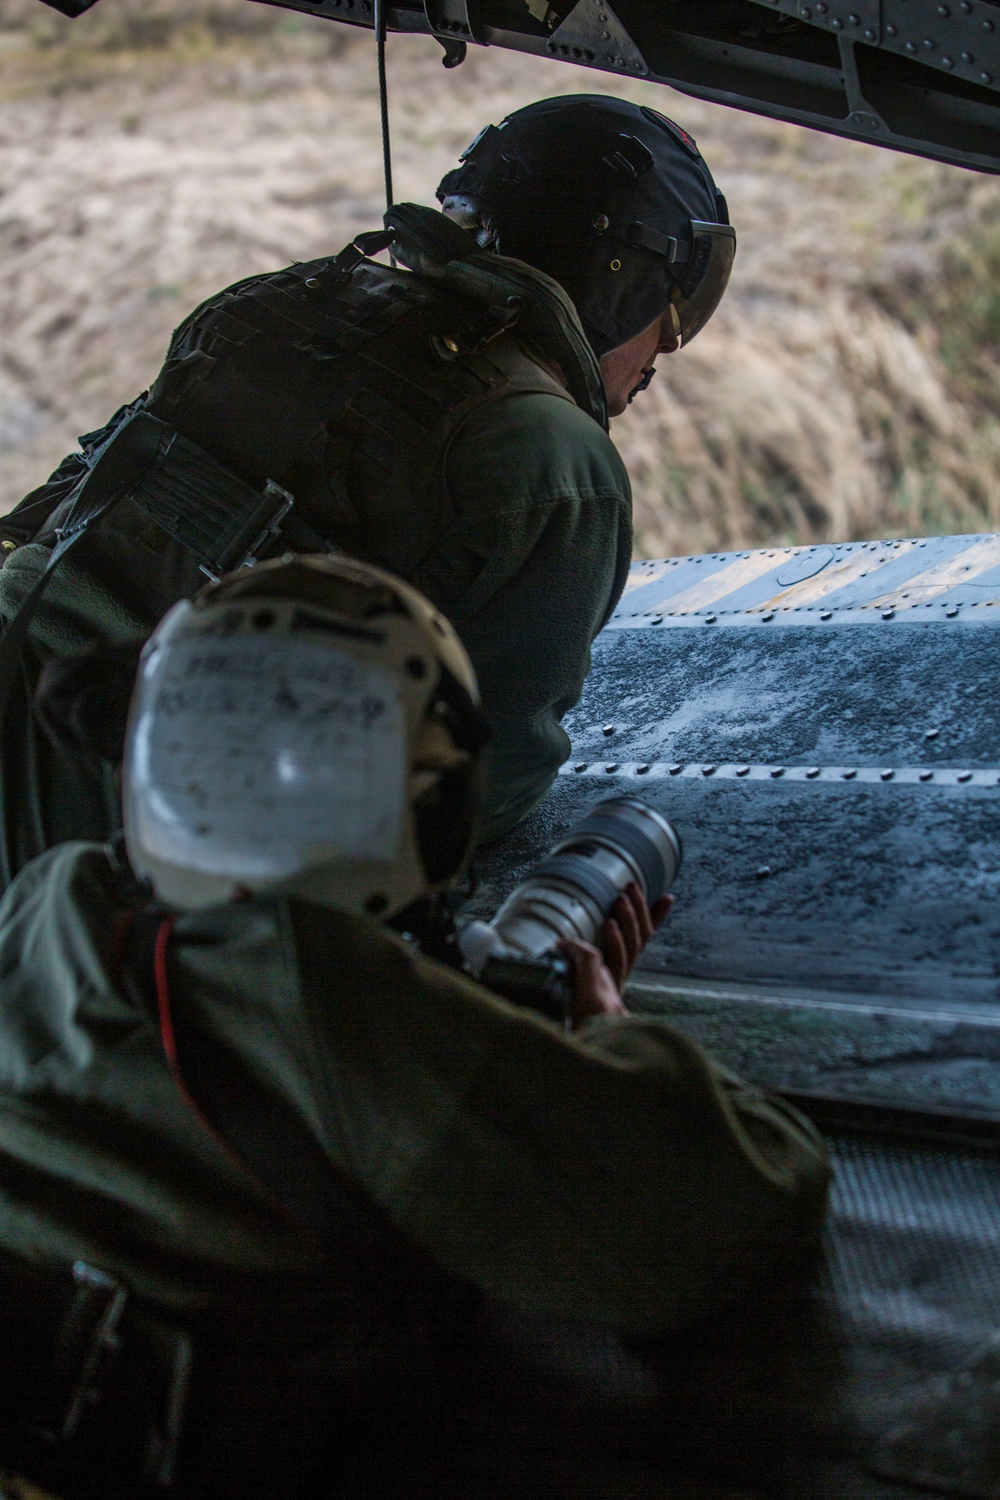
<point>383,96</point>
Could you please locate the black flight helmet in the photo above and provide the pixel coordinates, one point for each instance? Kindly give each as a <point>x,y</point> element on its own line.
<point>611,199</point>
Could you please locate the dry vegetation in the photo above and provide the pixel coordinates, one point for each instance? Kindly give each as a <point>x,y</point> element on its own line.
<point>155,150</point>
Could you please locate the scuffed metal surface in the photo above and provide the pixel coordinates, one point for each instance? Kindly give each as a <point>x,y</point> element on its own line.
<point>871,889</point>
<point>910,1058</point>
<point>837,697</point>
<point>837,791</point>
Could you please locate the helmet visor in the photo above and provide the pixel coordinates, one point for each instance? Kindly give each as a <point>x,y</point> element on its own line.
<point>703,279</point>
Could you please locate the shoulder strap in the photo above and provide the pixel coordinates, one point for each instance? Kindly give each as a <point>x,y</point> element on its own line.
<point>545,317</point>
<point>272,1183</point>
<point>511,290</point>
<point>195,500</point>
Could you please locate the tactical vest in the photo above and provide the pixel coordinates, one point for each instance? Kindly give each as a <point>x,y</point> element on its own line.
<point>348,391</point>
<point>343,382</point>
<point>310,409</point>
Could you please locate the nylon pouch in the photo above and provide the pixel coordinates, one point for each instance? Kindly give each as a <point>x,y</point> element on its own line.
<point>220,520</point>
<point>95,1388</point>
<point>198,502</point>
<point>201,505</point>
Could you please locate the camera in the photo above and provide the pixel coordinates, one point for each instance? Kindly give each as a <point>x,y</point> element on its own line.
<point>570,894</point>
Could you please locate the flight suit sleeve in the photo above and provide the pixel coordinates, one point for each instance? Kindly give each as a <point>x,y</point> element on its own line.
<point>616,1175</point>
<point>532,567</point>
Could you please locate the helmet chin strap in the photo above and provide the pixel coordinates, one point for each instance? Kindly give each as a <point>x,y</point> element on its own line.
<point>643,384</point>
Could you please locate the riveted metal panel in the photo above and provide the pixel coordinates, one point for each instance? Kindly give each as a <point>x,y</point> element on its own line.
<point>871,888</point>
<point>959,39</point>
<point>593,34</point>
<point>911,74</point>
<point>921,697</point>
<point>837,791</point>
<point>914,579</point>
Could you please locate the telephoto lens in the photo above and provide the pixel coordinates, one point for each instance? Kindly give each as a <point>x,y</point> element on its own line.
<point>571,894</point>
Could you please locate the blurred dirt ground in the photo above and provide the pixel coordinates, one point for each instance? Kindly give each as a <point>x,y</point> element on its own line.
<point>155,150</point>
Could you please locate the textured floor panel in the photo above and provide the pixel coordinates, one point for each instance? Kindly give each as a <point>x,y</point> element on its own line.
<point>909,1058</point>
<point>913,1280</point>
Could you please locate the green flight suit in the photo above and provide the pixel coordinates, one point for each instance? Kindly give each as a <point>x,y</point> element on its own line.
<point>427,1235</point>
<point>502,498</point>
<point>616,1174</point>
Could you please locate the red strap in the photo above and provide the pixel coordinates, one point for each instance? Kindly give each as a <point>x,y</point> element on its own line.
<point>163,933</point>
<point>169,1039</point>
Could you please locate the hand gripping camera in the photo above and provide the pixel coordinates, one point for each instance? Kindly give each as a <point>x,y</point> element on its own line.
<point>570,894</point>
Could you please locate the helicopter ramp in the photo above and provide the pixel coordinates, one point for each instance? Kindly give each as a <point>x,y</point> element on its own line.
<point>822,726</point>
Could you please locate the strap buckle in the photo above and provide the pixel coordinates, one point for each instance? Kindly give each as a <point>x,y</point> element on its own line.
<point>362,246</point>
<point>275,505</point>
<point>87,1348</point>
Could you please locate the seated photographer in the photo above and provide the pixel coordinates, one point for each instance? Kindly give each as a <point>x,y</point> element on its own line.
<point>264,1166</point>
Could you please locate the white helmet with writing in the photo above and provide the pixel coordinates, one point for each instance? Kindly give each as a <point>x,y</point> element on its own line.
<point>308,726</point>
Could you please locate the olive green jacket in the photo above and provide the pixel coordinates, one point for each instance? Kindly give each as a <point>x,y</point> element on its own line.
<point>616,1174</point>
<point>528,570</point>
<point>487,479</point>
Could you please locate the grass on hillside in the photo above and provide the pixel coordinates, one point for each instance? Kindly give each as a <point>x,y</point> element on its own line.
<point>154,150</point>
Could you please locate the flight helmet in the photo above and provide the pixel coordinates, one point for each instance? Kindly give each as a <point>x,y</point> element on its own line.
<point>612,200</point>
<point>309,727</point>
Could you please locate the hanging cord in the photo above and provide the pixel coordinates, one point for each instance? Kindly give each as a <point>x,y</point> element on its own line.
<point>383,98</point>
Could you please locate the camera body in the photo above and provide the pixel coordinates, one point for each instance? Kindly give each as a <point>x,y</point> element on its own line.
<point>570,894</point>
<point>543,984</point>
